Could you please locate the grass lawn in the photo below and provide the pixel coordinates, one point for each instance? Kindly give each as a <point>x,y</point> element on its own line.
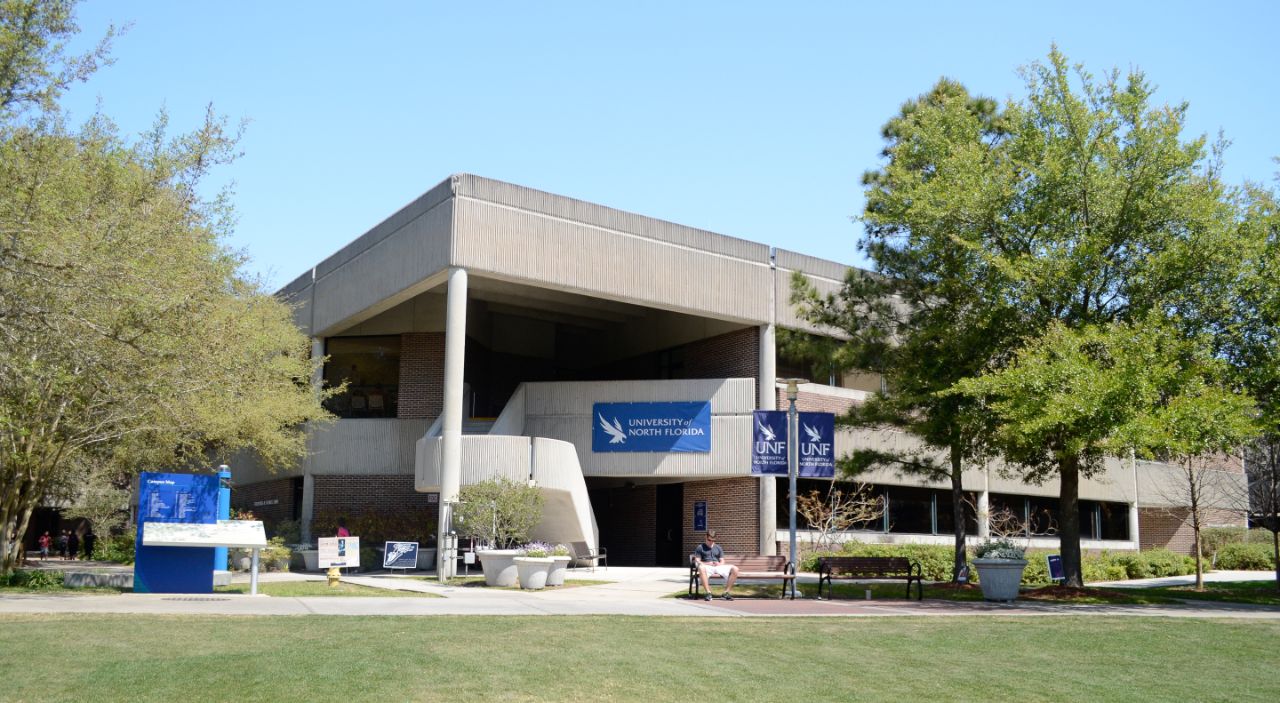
<point>1255,592</point>
<point>298,589</point>
<point>134,658</point>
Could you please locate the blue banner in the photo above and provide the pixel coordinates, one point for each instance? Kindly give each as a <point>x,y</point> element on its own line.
<point>651,427</point>
<point>400,555</point>
<point>816,444</point>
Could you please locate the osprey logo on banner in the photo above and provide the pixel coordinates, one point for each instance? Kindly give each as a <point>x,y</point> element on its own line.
<point>817,444</point>
<point>651,427</point>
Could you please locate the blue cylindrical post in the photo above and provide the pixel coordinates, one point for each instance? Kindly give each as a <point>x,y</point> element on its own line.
<point>224,513</point>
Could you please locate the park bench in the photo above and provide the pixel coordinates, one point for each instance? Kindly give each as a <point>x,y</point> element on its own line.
<point>750,567</point>
<point>869,569</point>
<point>581,552</point>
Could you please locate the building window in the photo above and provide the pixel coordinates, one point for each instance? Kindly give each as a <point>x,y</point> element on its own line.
<point>370,366</point>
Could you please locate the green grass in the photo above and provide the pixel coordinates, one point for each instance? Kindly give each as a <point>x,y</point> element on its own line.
<point>300,589</point>
<point>1252,592</point>
<point>134,658</point>
<point>65,591</point>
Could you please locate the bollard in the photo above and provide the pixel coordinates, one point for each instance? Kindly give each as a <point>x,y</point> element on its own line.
<point>868,594</point>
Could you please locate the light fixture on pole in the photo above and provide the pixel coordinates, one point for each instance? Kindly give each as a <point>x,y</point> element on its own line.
<point>793,460</point>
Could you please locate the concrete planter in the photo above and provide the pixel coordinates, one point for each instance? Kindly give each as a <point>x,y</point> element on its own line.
<point>559,565</point>
<point>427,558</point>
<point>533,572</point>
<point>499,566</point>
<point>310,559</point>
<point>1000,578</point>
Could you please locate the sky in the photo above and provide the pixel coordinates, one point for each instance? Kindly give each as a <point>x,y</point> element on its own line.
<point>754,120</point>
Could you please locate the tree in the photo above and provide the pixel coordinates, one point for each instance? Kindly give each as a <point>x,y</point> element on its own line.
<point>1262,465</point>
<point>918,321</point>
<point>499,511</point>
<point>126,331</point>
<point>838,510</point>
<point>1088,209</point>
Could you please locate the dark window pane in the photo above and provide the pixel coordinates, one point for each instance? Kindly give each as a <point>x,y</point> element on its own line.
<point>1008,515</point>
<point>1115,520</point>
<point>945,513</point>
<point>1044,516</point>
<point>910,510</point>
<point>1088,519</point>
<point>370,366</point>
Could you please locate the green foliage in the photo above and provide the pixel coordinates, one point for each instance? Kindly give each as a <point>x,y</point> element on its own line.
<point>32,579</point>
<point>499,512</point>
<point>1214,538</point>
<point>377,528</point>
<point>289,531</point>
<point>560,550</point>
<point>276,556</point>
<point>115,548</point>
<point>1254,556</point>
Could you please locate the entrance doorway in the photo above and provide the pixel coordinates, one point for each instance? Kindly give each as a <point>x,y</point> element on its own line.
<point>669,544</point>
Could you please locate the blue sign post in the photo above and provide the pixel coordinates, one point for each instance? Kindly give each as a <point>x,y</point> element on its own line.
<point>651,427</point>
<point>187,498</point>
<point>816,443</point>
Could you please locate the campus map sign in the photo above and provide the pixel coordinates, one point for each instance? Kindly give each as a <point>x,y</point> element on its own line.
<point>651,427</point>
<point>174,498</point>
<point>817,444</point>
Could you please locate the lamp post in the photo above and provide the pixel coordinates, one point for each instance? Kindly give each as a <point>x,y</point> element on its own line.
<point>793,461</point>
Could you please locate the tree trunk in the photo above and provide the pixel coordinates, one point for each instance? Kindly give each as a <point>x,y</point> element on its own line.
<point>1195,524</point>
<point>1275,549</point>
<point>957,513</point>
<point>1069,514</point>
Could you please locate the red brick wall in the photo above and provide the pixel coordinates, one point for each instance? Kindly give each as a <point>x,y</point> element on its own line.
<point>1170,528</point>
<point>732,355</point>
<point>279,490</point>
<point>352,495</point>
<point>733,511</point>
<point>627,518</point>
<point>421,375</point>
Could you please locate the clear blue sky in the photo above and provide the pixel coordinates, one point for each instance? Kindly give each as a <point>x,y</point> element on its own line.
<point>754,120</point>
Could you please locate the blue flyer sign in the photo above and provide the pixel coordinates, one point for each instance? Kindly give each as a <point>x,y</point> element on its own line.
<point>1055,567</point>
<point>651,427</point>
<point>816,444</point>
<point>699,516</point>
<point>400,555</point>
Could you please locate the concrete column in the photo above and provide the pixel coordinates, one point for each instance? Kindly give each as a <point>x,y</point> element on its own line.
<point>1134,534</point>
<point>308,505</point>
<point>984,506</point>
<point>767,399</point>
<point>455,339</point>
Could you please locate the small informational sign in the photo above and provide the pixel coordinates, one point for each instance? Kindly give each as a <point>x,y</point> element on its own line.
<point>339,551</point>
<point>400,555</point>
<point>816,454</point>
<point>651,427</point>
<point>700,516</point>
<point>1055,567</point>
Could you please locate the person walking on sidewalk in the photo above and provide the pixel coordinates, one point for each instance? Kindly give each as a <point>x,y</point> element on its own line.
<point>73,545</point>
<point>62,544</point>
<point>44,541</point>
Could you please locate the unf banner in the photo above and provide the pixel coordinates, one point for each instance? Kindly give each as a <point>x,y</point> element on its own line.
<point>817,444</point>
<point>651,427</point>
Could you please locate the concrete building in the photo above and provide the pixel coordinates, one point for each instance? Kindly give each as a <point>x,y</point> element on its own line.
<point>477,328</point>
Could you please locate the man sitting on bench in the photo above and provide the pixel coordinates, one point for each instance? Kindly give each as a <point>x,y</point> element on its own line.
<point>710,557</point>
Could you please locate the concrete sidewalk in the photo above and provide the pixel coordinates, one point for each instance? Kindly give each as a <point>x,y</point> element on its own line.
<point>629,591</point>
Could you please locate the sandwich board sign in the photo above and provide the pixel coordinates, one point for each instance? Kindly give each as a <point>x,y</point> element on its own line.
<point>400,555</point>
<point>339,551</point>
<point>1055,567</point>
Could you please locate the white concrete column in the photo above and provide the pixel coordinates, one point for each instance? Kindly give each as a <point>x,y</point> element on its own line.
<point>455,338</point>
<point>767,399</point>
<point>1134,534</point>
<point>984,506</point>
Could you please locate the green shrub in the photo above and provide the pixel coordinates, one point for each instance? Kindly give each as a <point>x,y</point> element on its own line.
<point>376,529</point>
<point>115,548</point>
<point>276,556</point>
<point>289,531</point>
<point>1162,562</point>
<point>1254,556</point>
<point>33,579</point>
<point>1214,538</point>
<point>1134,565</point>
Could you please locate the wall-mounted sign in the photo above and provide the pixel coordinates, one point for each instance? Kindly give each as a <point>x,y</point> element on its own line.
<point>817,444</point>
<point>651,427</point>
<point>339,551</point>
<point>699,516</point>
<point>400,555</point>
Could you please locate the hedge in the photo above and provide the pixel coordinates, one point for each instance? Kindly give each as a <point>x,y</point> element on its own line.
<point>1254,556</point>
